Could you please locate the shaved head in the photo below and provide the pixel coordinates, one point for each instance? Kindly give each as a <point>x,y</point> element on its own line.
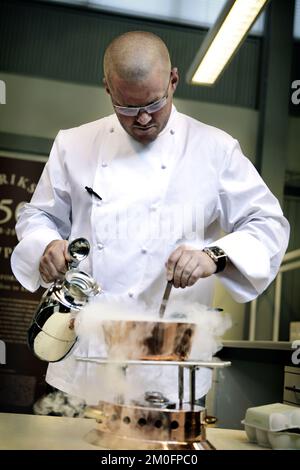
<point>138,74</point>
<point>134,55</point>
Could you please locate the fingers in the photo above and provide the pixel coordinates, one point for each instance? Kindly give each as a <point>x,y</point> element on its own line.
<point>187,271</point>
<point>49,272</point>
<point>195,276</point>
<point>53,263</point>
<point>186,265</point>
<point>182,269</point>
<point>66,252</point>
<point>172,261</point>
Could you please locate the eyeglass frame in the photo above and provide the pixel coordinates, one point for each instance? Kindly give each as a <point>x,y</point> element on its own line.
<point>137,109</point>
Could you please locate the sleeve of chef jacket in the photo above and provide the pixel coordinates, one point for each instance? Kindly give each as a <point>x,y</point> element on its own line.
<point>47,217</point>
<point>258,232</point>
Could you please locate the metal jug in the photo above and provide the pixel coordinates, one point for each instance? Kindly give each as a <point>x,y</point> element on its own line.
<point>51,335</point>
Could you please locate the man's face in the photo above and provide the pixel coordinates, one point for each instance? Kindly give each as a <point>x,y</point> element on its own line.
<point>146,126</point>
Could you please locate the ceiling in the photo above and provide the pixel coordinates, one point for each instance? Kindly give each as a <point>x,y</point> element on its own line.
<point>180,11</point>
<point>204,14</point>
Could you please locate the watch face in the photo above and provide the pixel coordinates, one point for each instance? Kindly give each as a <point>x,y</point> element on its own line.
<point>217,251</point>
<point>218,255</point>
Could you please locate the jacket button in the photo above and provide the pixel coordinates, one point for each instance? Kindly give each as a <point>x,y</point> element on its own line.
<point>163,167</point>
<point>130,294</point>
<point>100,246</point>
<point>144,251</point>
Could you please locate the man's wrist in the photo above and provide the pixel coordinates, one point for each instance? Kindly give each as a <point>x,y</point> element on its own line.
<point>218,256</point>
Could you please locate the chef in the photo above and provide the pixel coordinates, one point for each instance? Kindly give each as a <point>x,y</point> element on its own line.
<point>160,196</point>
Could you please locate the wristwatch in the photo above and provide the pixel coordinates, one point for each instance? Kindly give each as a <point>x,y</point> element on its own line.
<point>218,256</point>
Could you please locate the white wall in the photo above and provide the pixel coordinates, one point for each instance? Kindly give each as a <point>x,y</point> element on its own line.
<point>40,107</point>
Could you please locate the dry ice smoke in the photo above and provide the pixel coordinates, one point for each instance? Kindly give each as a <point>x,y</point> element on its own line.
<point>93,322</point>
<point>106,324</point>
<point>210,327</point>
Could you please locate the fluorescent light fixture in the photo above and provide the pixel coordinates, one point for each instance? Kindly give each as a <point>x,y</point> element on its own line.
<point>223,40</point>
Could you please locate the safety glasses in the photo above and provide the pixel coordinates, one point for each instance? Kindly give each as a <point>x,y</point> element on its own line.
<point>150,108</point>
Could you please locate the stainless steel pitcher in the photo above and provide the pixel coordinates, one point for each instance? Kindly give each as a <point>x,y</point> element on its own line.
<point>51,335</point>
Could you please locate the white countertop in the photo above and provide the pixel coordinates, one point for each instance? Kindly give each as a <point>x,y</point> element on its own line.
<point>31,432</point>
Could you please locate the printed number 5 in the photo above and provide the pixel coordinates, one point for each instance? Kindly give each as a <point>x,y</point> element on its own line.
<point>4,203</point>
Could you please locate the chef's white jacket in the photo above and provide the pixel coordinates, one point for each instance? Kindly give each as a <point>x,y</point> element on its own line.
<point>193,170</point>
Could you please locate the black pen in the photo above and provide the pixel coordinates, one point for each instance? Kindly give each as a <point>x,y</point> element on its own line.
<point>92,193</point>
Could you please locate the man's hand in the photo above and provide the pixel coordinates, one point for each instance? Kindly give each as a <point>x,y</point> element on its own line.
<point>53,264</point>
<point>186,265</point>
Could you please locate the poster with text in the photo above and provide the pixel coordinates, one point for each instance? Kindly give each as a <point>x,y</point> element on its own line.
<point>22,376</point>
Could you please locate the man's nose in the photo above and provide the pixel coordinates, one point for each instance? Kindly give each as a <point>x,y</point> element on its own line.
<point>143,118</point>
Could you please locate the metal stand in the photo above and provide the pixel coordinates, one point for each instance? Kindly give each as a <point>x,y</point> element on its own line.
<point>153,422</point>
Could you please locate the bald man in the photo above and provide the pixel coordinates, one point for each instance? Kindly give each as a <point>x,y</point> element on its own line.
<point>153,191</point>
<point>137,70</point>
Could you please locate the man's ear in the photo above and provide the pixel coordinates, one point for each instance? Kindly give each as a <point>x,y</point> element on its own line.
<point>174,78</point>
<point>105,85</point>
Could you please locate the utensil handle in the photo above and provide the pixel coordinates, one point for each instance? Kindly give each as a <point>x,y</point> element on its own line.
<point>165,299</point>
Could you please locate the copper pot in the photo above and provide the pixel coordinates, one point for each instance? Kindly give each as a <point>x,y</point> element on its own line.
<point>148,340</point>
